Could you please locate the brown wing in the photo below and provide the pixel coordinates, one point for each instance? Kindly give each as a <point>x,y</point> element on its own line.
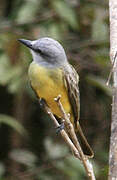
<point>71,82</point>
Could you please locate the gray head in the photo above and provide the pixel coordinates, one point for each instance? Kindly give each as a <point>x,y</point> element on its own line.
<point>46,51</point>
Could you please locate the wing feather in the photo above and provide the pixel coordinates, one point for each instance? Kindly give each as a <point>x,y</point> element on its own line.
<point>71,80</point>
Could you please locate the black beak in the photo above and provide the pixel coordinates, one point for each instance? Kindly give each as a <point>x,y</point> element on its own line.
<point>26,43</point>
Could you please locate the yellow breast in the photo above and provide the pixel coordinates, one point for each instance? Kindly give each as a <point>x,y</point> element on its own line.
<point>48,83</point>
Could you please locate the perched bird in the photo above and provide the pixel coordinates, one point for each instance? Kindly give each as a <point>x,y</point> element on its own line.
<point>51,75</point>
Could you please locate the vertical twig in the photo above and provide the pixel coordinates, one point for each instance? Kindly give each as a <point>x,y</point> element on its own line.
<point>113,50</point>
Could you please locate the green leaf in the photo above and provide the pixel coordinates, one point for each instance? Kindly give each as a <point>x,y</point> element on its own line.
<point>23,156</point>
<point>5,67</point>
<point>54,31</point>
<point>2,169</point>
<point>28,11</point>
<point>99,28</point>
<point>11,76</point>
<point>7,71</point>
<point>102,58</point>
<point>68,168</point>
<point>99,83</point>
<point>13,123</point>
<point>66,12</point>
<point>54,150</point>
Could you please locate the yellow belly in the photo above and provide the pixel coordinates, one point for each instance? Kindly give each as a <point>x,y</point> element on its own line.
<point>48,84</point>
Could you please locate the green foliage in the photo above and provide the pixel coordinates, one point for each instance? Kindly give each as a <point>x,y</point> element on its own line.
<point>2,170</point>
<point>100,84</point>
<point>72,168</point>
<point>54,150</point>
<point>27,11</point>
<point>13,123</point>
<point>10,75</point>
<point>24,157</point>
<point>66,12</point>
<point>99,27</point>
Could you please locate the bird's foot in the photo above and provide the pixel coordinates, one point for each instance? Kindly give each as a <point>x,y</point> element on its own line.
<point>42,102</point>
<point>60,128</point>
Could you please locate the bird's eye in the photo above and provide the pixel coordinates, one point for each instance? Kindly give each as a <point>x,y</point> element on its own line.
<point>39,51</point>
<point>42,53</point>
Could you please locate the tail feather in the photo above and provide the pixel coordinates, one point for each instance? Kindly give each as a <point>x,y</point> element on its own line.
<point>87,150</point>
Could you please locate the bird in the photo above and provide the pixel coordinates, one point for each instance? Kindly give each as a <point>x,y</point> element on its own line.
<point>50,74</point>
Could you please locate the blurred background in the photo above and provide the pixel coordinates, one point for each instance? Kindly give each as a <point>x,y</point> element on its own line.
<point>30,149</point>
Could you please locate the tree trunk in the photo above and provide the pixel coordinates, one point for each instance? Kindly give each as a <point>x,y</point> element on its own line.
<point>113,50</point>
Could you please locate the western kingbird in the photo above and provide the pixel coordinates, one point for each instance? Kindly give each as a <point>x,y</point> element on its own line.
<point>51,75</point>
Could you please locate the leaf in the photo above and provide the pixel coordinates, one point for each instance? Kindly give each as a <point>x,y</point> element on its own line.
<point>68,168</point>
<point>102,57</point>
<point>4,69</point>
<point>99,83</point>
<point>99,28</point>
<point>54,150</point>
<point>2,169</point>
<point>7,71</point>
<point>73,162</point>
<point>13,123</point>
<point>23,156</point>
<point>11,76</point>
<point>66,12</point>
<point>54,31</point>
<point>28,11</point>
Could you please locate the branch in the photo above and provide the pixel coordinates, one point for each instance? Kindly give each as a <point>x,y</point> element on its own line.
<point>112,69</point>
<point>63,133</point>
<point>87,165</point>
<point>73,144</point>
<point>69,125</point>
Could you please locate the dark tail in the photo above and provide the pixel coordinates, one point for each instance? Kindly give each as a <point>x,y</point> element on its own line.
<point>87,150</point>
